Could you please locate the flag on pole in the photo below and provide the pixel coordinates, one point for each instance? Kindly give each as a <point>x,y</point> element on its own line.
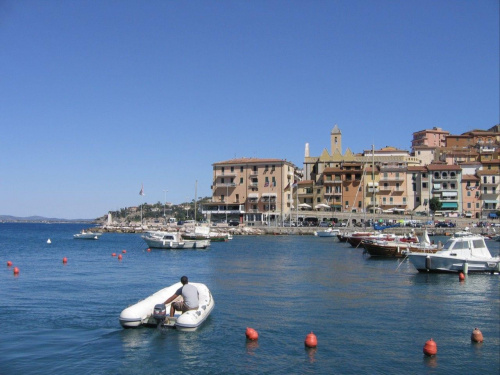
<point>142,190</point>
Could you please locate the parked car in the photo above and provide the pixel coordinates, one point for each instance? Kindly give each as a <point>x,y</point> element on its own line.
<point>325,224</point>
<point>233,223</point>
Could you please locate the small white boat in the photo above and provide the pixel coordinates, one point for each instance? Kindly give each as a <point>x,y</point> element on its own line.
<point>172,240</point>
<point>87,235</point>
<point>142,312</point>
<point>463,253</point>
<point>329,232</point>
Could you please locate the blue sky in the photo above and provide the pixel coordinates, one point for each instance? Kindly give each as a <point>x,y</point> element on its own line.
<point>97,97</point>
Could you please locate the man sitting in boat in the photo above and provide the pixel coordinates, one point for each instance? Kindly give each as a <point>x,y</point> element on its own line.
<point>189,300</point>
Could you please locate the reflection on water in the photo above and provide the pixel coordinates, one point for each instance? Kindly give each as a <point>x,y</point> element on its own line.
<point>284,287</point>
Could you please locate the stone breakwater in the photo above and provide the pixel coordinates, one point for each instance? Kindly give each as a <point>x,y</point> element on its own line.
<point>244,230</point>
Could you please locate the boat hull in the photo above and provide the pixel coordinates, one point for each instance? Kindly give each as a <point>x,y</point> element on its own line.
<point>158,243</point>
<point>87,236</point>
<point>447,264</point>
<point>141,313</point>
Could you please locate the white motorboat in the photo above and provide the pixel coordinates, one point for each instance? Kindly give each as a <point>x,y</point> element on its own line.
<point>173,240</point>
<point>143,312</point>
<point>464,253</point>
<point>83,235</point>
<point>329,232</point>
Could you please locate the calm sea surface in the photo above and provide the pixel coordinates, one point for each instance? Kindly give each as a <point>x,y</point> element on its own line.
<point>369,316</point>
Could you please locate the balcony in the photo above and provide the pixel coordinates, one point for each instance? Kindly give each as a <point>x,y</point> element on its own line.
<point>445,178</point>
<point>392,178</point>
<point>225,174</point>
<point>332,181</point>
<point>225,185</point>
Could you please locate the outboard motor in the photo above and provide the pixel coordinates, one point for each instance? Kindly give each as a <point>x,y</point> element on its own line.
<point>160,314</point>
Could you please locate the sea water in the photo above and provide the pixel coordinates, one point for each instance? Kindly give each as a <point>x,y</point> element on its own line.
<point>370,316</point>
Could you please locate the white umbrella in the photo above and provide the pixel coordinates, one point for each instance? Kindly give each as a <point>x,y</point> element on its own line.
<point>304,205</point>
<point>321,205</point>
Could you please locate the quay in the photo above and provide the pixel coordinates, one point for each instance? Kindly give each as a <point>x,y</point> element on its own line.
<point>273,229</point>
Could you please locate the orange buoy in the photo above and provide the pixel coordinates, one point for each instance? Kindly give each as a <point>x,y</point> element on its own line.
<point>461,276</point>
<point>113,255</point>
<point>311,340</point>
<point>16,271</point>
<point>9,263</point>
<point>120,257</point>
<point>65,260</point>
<point>251,334</point>
<point>124,251</point>
<point>149,249</point>
<point>430,348</point>
<point>476,335</point>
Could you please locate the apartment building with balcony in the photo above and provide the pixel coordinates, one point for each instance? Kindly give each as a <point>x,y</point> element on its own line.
<point>418,188</point>
<point>252,190</point>
<point>445,184</point>
<point>489,187</point>
<point>435,137</point>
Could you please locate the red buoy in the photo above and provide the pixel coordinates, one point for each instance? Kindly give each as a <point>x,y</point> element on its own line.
<point>113,255</point>
<point>430,348</point>
<point>124,251</point>
<point>119,256</point>
<point>16,271</point>
<point>251,334</point>
<point>311,340</point>
<point>9,263</point>
<point>65,260</point>
<point>476,336</point>
<point>149,249</point>
<point>461,276</point>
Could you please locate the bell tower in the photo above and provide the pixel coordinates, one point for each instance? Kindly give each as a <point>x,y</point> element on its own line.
<point>336,140</point>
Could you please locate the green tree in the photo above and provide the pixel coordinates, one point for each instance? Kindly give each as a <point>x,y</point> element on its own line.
<point>435,204</point>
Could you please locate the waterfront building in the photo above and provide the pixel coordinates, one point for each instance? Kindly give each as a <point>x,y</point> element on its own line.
<point>445,184</point>
<point>489,185</point>
<point>252,190</point>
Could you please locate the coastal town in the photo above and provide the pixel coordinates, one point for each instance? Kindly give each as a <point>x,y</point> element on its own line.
<point>445,177</point>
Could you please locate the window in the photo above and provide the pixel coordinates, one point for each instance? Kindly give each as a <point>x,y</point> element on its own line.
<point>468,193</point>
<point>485,180</point>
<point>424,185</point>
<point>477,205</point>
<point>222,169</point>
<point>237,197</point>
<point>359,204</point>
<point>469,205</point>
<point>274,181</point>
<point>255,168</point>
<point>221,180</point>
<point>232,169</point>
<point>241,180</point>
<point>318,191</point>
<point>241,169</point>
<point>493,179</point>
<point>318,200</point>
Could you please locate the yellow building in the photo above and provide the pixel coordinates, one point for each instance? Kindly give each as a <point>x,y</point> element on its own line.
<point>252,190</point>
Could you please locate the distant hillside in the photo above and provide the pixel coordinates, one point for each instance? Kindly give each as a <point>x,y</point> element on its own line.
<point>36,219</point>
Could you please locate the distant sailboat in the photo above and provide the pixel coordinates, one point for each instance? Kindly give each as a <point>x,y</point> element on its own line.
<point>49,241</point>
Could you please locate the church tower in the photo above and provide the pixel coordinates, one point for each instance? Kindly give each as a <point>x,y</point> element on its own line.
<point>336,140</point>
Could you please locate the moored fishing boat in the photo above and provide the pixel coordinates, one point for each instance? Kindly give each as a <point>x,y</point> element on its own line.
<point>172,240</point>
<point>397,248</point>
<point>329,232</point>
<point>142,313</point>
<point>87,235</point>
<point>464,253</point>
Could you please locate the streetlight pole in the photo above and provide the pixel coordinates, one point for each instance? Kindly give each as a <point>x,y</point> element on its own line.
<point>164,203</point>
